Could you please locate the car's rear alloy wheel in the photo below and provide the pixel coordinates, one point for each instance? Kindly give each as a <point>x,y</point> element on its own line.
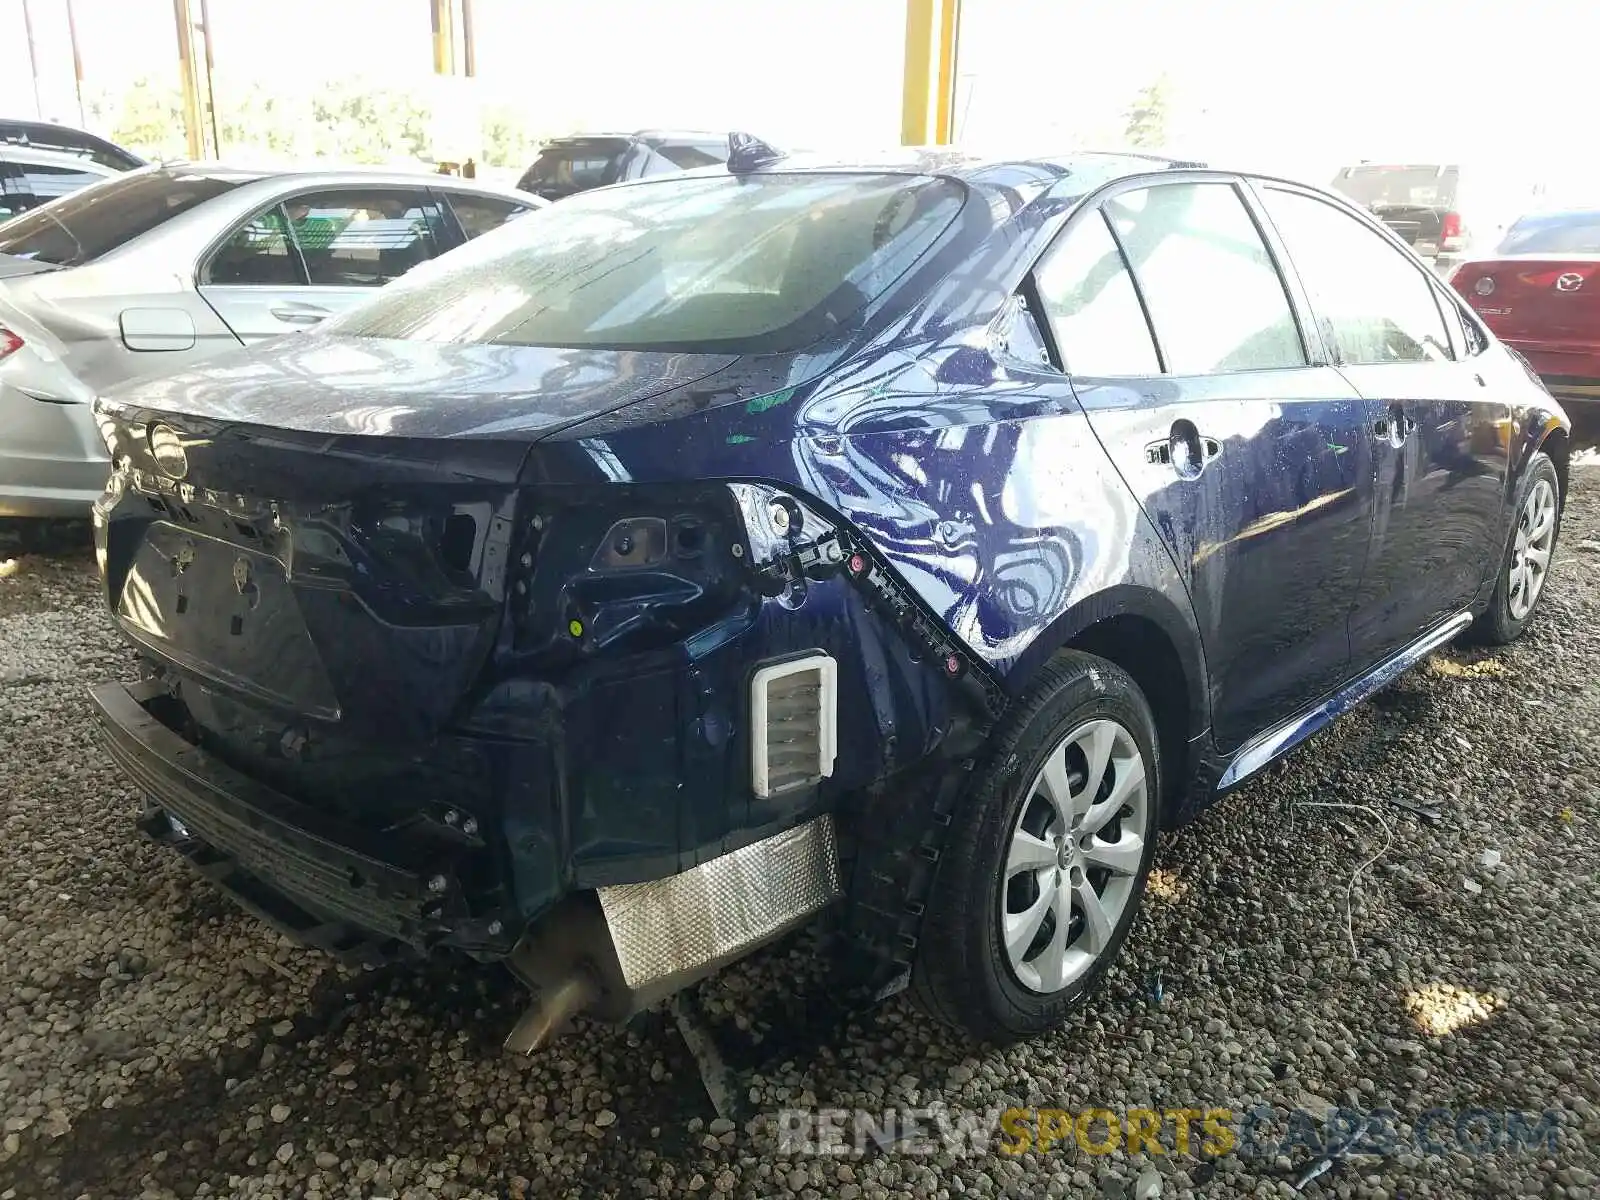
<point>1529,552</point>
<point>1531,548</point>
<point>1076,849</point>
<point>1043,867</point>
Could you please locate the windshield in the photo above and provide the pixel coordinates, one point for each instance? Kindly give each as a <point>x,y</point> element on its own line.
<point>762,263</point>
<point>1554,233</point>
<point>1376,187</point>
<point>95,220</point>
<point>574,167</point>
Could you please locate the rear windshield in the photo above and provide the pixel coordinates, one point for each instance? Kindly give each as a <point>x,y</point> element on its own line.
<point>1424,186</point>
<point>763,263</point>
<point>1554,233</point>
<point>79,228</point>
<point>574,167</point>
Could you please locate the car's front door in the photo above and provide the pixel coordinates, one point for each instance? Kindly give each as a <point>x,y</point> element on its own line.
<point>318,253</point>
<point>1439,430</point>
<point>1249,455</point>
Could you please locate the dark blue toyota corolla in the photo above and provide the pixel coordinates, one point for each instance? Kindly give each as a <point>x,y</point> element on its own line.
<point>911,540</point>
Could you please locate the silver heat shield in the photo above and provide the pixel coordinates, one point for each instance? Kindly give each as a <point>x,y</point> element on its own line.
<point>671,930</point>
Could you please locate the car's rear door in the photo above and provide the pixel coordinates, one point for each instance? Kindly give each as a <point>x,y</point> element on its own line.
<point>1438,413</point>
<point>318,253</point>
<point>1247,452</point>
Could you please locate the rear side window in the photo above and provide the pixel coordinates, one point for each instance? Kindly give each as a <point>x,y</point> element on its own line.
<point>1375,303</point>
<point>689,157</point>
<point>259,253</point>
<point>49,181</point>
<point>1091,304</point>
<point>477,215</point>
<point>763,264</point>
<point>1214,296</point>
<point>97,219</point>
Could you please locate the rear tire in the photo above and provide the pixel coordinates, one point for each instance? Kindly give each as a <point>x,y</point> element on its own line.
<point>1034,896</point>
<point>1530,550</point>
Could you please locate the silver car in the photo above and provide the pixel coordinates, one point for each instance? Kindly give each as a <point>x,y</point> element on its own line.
<point>30,176</point>
<point>155,269</point>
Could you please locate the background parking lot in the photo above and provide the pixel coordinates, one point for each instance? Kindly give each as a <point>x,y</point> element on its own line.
<point>156,1042</point>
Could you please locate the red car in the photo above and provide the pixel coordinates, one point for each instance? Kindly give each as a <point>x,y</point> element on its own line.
<point>1540,293</point>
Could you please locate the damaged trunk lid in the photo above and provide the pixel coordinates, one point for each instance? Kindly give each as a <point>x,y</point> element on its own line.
<point>287,541</point>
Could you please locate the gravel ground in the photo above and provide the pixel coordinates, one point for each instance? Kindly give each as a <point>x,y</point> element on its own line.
<point>157,1043</point>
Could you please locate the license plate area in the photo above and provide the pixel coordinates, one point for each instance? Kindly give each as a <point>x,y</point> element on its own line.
<point>225,613</point>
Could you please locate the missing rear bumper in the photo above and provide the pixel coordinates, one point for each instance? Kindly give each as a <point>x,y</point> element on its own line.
<point>314,877</point>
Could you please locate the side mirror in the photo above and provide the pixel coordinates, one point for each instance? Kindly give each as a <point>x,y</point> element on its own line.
<point>157,329</point>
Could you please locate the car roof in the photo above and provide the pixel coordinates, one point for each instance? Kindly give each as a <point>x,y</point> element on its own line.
<point>320,175</point>
<point>67,138</point>
<point>975,168</point>
<point>642,135</point>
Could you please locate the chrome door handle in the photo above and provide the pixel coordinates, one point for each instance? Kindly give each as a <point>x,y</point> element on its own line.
<point>1185,450</point>
<point>294,315</point>
<point>1394,428</point>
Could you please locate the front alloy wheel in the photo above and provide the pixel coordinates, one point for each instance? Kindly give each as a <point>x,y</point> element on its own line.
<point>1043,867</point>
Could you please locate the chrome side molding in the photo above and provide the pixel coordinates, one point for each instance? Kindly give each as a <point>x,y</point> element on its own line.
<point>1284,737</point>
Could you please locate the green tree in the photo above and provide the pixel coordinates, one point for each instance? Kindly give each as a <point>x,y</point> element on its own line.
<point>1146,122</point>
<point>507,141</point>
<point>147,118</point>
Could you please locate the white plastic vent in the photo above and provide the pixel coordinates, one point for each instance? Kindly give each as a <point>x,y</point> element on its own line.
<point>793,724</point>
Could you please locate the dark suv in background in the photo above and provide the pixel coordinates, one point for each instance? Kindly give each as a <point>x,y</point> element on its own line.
<point>582,161</point>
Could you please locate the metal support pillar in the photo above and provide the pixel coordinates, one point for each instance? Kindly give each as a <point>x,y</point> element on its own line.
<point>193,118</point>
<point>928,106</point>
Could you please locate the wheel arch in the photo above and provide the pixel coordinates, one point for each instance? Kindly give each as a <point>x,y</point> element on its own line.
<point>1156,643</point>
<point>1549,430</point>
<point>1557,443</point>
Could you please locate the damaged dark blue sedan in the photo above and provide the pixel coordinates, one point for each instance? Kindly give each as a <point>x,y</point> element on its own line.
<point>914,540</point>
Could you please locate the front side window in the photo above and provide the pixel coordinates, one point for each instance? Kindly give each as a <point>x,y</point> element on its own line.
<point>1375,304</point>
<point>764,264</point>
<point>1090,302</point>
<point>97,219</point>
<point>1214,296</point>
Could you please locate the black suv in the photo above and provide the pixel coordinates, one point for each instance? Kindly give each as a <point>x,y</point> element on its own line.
<point>582,161</point>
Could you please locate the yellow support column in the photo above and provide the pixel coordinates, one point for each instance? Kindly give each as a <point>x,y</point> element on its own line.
<point>193,119</point>
<point>927,112</point>
<point>444,37</point>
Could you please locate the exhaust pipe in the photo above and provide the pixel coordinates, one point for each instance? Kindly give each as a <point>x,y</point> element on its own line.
<point>551,1013</point>
<point>617,950</point>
